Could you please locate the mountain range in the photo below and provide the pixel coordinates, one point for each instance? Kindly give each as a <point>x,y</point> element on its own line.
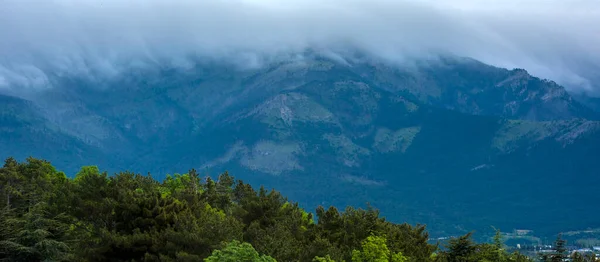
<point>450,142</point>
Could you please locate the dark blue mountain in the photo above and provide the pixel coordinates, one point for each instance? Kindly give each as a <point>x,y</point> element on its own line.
<point>452,142</point>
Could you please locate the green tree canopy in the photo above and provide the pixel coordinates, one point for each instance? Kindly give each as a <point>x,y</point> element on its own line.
<point>236,251</point>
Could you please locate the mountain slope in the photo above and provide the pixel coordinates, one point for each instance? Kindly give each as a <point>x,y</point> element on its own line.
<point>450,142</point>
<point>589,101</point>
<point>24,132</point>
<point>417,163</point>
<point>472,87</point>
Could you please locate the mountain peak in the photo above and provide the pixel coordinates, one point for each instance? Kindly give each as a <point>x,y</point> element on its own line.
<point>333,128</point>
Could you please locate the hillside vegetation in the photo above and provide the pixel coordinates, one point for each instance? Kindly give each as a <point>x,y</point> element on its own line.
<point>47,216</point>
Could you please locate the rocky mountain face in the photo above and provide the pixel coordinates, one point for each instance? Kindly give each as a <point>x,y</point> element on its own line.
<point>471,87</point>
<point>453,143</point>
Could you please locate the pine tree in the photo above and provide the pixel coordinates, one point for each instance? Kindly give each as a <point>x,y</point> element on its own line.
<point>461,249</point>
<point>10,182</point>
<point>34,237</point>
<point>560,249</point>
<point>499,246</point>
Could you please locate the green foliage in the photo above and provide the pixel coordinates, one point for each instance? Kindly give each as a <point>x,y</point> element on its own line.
<point>560,251</point>
<point>34,237</point>
<point>374,249</point>
<point>464,249</point>
<point>587,257</point>
<point>11,181</point>
<point>238,252</point>
<point>46,216</point>
<point>327,258</point>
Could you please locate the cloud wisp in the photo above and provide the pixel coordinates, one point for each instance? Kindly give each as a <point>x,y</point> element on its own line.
<point>554,39</point>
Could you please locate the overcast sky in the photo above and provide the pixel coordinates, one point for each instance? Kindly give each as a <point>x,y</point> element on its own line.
<point>555,39</point>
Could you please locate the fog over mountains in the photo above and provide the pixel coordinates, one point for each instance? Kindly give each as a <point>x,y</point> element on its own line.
<point>458,114</point>
<point>551,39</point>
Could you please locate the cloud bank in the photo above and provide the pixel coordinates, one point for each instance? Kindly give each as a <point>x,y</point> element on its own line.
<point>554,39</point>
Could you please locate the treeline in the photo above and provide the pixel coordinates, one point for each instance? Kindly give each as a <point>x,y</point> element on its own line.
<point>47,216</point>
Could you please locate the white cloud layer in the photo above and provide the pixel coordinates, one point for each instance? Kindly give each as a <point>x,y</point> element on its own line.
<point>555,39</point>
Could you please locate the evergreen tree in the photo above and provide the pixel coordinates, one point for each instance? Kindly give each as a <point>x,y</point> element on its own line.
<point>498,253</point>
<point>461,249</point>
<point>238,252</point>
<point>34,237</point>
<point>46,216</point>
<point>11,182</point>
<point>560,250</point>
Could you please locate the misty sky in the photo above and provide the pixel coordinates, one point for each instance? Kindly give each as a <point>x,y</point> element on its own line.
<point>555,39</point>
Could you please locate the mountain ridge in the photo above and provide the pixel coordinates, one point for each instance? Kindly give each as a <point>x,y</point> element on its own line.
<point>350,133</point>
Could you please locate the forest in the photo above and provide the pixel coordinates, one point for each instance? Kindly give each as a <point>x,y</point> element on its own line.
<point>94,216</point>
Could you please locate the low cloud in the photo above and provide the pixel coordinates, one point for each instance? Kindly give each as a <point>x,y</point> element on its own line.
<point>559,40</point>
